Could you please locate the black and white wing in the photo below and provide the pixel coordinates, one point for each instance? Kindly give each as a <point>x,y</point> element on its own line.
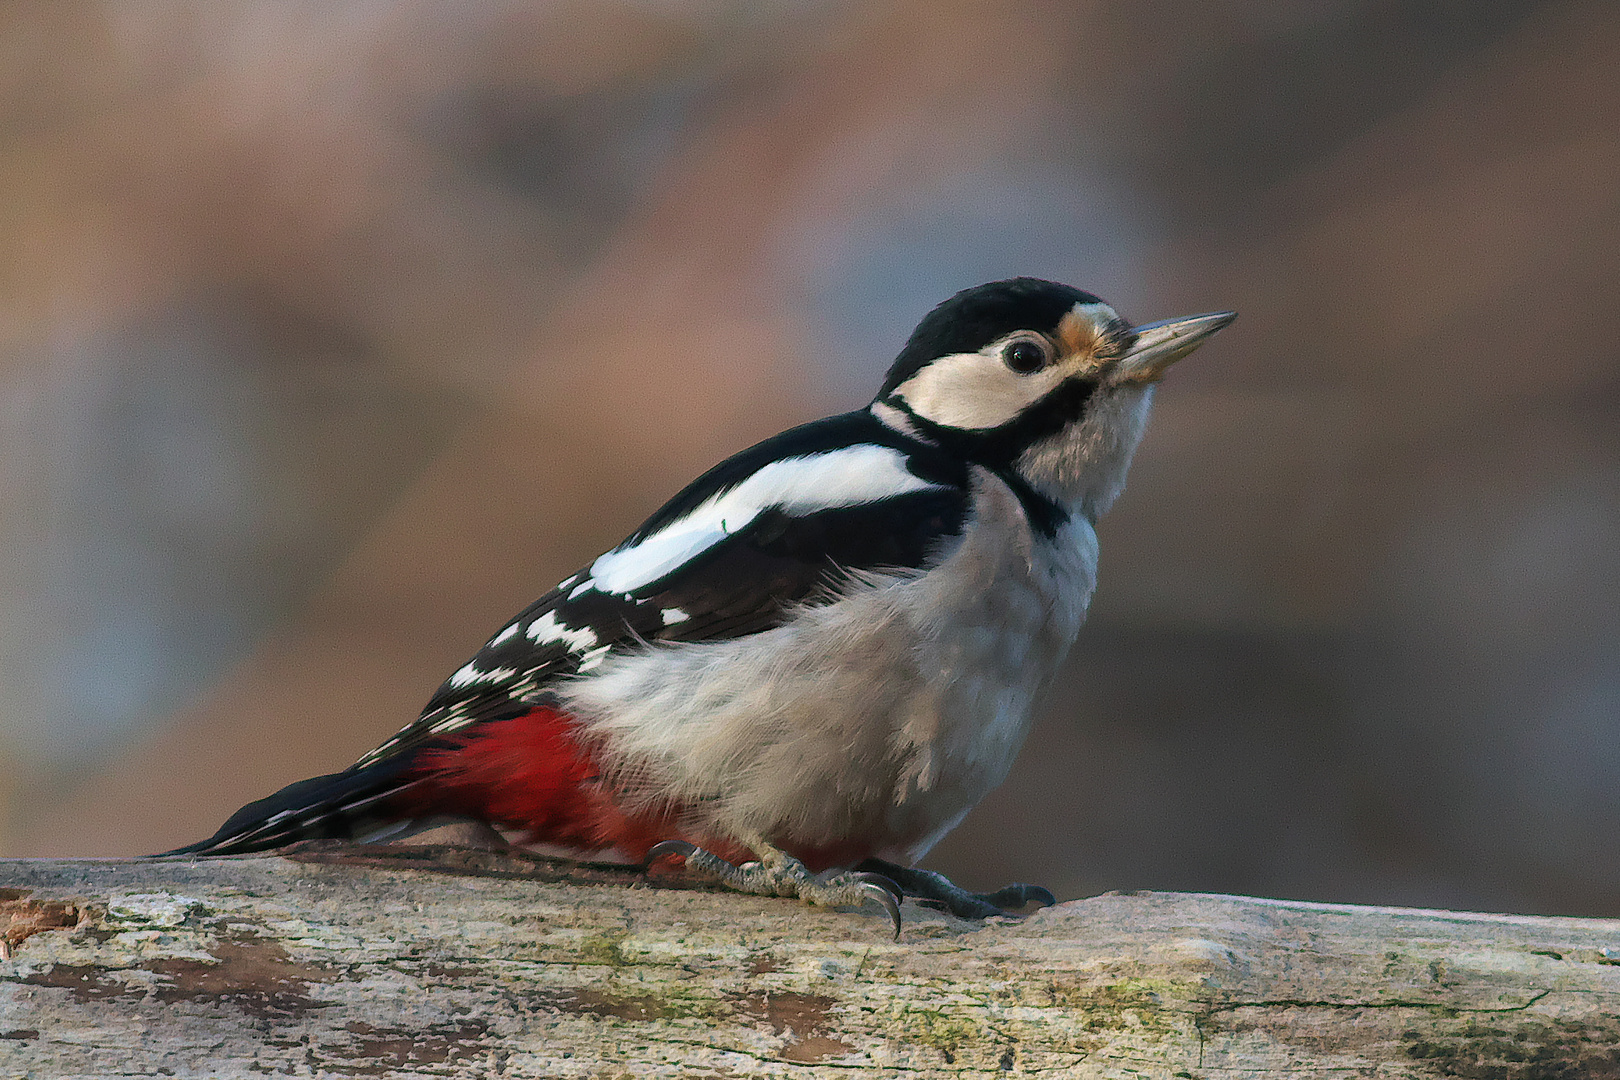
<point>781,524</point>
<point>778,525</point>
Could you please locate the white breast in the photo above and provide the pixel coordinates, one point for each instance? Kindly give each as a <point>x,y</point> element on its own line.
<point>884,716</point>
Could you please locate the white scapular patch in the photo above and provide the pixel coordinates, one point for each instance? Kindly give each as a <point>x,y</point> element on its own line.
<point>674,615</point>
<point>548,629</point>
<point>469,674</point>
<point>799,485</point>
<point>583,587</point>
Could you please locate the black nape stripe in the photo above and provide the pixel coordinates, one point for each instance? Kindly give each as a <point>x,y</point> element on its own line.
<point>1045,515</point>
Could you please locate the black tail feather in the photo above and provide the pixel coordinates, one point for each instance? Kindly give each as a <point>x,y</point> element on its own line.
<point>334,806</point>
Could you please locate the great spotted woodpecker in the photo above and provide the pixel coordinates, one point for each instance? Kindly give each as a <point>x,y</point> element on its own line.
<point>819,655</point>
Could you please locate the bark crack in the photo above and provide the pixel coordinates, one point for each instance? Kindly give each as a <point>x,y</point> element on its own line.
<point>1305,1003</point>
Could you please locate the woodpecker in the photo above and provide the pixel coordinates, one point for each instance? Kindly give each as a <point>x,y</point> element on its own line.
<point>810,664</point>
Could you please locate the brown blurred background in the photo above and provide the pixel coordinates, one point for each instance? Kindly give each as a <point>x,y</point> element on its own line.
<point>332,333</point>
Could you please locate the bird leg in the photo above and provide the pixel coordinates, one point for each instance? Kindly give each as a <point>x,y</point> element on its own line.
<point>779,874</point>
<point>937,890</point>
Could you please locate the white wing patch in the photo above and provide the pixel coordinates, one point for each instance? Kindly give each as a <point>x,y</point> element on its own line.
<point>799,485</point>
<point>548,629</point>
<point>470,675</point>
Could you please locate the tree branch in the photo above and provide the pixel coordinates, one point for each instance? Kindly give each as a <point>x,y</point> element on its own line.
<point>447,962</point>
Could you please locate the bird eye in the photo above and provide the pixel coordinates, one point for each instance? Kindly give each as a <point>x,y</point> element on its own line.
<point>1025,356</point>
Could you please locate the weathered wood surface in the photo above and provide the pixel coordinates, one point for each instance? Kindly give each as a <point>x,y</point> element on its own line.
<point>442,963</point>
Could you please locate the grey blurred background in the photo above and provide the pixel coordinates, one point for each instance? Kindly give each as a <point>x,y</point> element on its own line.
<point>332,333</point>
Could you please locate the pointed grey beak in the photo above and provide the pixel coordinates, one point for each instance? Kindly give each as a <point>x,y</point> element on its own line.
<point>1160,344</point>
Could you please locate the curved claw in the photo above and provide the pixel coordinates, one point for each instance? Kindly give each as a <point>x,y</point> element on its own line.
<point>883,881</point>
<point>678,849</point>
<point>885,892</point>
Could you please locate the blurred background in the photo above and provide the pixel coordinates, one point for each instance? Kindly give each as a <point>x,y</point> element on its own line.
<point>333,333</point>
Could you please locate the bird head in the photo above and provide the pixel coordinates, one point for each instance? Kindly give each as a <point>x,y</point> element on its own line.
<point>1040,380</point>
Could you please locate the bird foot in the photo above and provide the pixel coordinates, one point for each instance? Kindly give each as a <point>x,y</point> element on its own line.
<point>937,890</point>
<point>780,874</point>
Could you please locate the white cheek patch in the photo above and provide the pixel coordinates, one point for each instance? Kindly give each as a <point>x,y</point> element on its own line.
<point>975,392</point>
<point>798,485</point>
